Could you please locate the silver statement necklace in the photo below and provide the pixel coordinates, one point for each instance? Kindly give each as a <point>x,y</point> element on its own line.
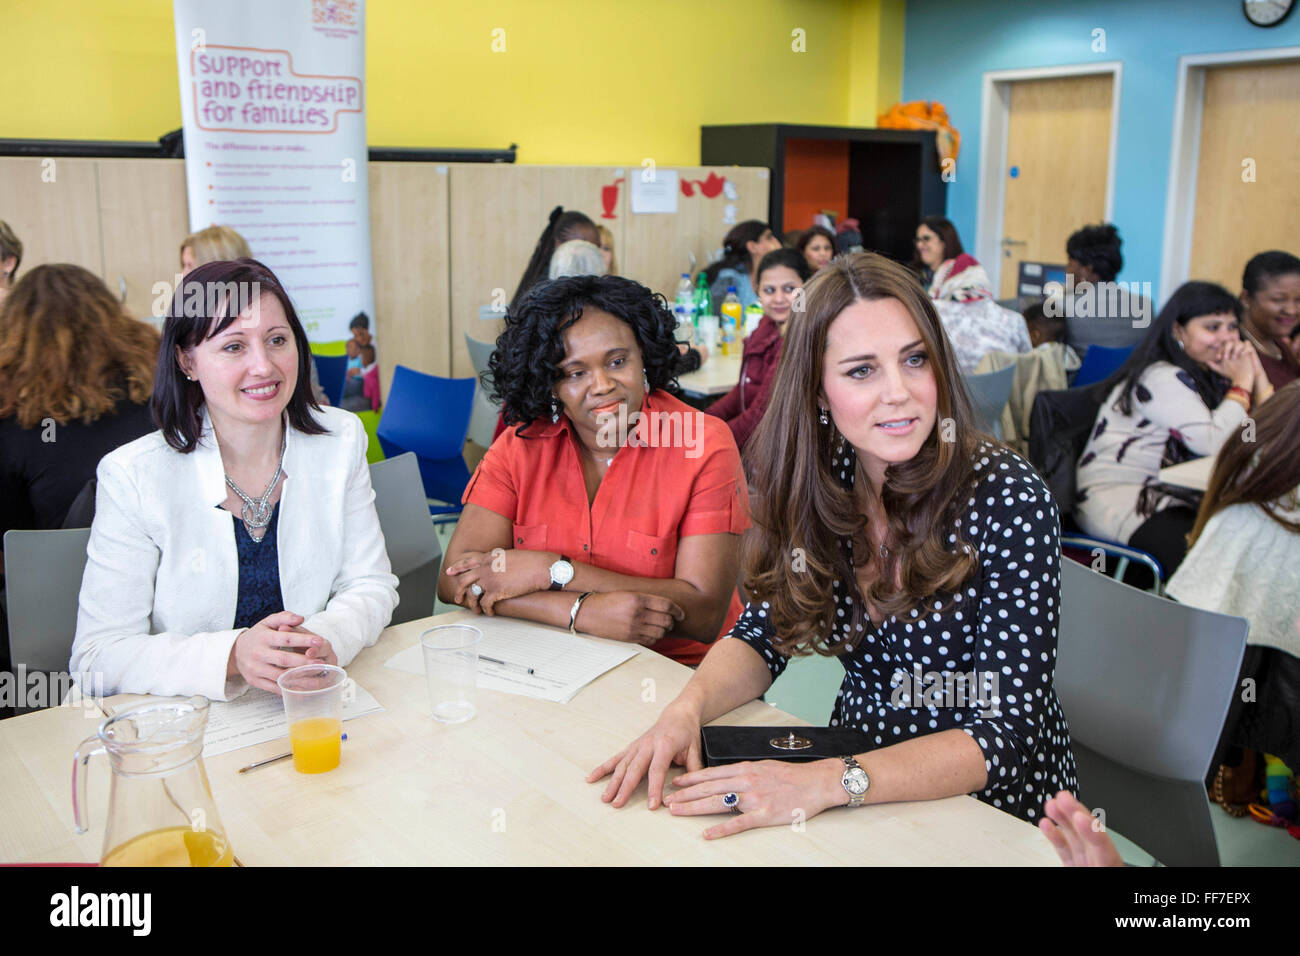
<point>256,514</point>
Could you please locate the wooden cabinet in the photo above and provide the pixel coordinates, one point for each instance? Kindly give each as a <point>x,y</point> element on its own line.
<point>886,179</point>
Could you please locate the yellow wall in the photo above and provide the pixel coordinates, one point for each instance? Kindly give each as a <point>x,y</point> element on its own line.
<point>578,82</point>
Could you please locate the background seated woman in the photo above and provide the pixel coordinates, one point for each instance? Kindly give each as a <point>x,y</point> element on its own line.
<point>1245,561</point>
<point>241,538</point>
<point>781,276</point>
<point>925,547</point>
<point>817,246</point>
<point>1271,297</point>
<point>975,324</point>
<point>1183,391</point>
<point>647,528</point>
<point>75,377</point>
<point>742,250</point>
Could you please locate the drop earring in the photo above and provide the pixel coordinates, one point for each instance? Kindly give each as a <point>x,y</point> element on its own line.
<point>823,417</point>
<point>1181,346</point>
<point>555,411</point>
<point>645,378</point>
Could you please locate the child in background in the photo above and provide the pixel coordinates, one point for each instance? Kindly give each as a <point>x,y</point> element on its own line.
<point>1043,327</point>
<point>361,356</point>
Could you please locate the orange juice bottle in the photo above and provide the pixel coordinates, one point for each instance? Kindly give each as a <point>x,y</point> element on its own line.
<point>173,846</point>
<point>731,318</point>
<point>316,743</point>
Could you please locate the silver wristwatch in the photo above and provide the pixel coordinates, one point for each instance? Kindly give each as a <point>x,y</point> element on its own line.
<point>855,781</point>
<point>561,573</point>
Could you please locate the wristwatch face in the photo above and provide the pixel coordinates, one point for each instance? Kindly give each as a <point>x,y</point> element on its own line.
<point>561,573</point>
<point>855,781</point>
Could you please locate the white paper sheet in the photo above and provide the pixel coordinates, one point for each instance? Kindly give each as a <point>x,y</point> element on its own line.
<point>562,664</point>
<point>656,196</point>
<point>258,716</point>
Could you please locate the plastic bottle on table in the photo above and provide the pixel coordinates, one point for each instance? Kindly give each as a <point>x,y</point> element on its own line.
<point>731,321</point>
<point>684,308</point>
<point>703,301</point>
<point>753,316</point>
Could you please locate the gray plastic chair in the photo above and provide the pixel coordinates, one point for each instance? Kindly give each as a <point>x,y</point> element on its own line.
<point>989,394</point>
<point>413,547</point>
<point>43,582</point>
<point>1146,684</point>
<point>483,418</point>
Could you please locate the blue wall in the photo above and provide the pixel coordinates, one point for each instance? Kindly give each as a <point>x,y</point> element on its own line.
<point>949,44</point>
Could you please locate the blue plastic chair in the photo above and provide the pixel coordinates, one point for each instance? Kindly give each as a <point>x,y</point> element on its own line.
<point>1099,363</point>
<point>1123,553</point>
<point>429,416</point>
<point>332,371</point>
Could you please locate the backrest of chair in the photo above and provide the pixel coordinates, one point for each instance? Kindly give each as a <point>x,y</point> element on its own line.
<point>403,513</point>
<point>483,418</point>
<point>42,585</point>
<point>1144,681</point>
<point>412,545</point>
<point>989,393</point>
<point>479,352</point>
<point>332,372</point>
<point>427,414</point>
<point>1100,362</point>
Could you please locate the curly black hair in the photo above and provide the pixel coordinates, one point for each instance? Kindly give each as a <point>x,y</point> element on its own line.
<point>1099,248</point>
<point>525,365</point>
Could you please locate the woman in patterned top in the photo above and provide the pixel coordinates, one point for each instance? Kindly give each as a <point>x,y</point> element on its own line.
<point>891,534</point>
<point>1189,385</point>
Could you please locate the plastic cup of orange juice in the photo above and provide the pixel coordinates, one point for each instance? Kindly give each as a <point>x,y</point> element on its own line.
<point>313,706</point>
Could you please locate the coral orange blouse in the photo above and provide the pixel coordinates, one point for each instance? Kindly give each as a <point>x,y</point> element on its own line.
<point>679,474</point>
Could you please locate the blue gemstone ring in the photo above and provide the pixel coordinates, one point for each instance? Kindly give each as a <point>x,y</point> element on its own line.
<point>731,802</point>
<point>476,589</point>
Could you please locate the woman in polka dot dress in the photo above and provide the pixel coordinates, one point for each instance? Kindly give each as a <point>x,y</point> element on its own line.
<point>888,532</point>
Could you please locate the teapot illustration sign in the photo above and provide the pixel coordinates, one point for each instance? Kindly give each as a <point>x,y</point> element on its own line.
<point>711,187</point>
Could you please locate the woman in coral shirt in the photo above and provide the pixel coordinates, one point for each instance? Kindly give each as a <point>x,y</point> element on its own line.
<point>612,508</point>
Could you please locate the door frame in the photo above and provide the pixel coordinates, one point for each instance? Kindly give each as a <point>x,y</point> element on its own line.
<point>994,113</point>
<point>1185,155</point>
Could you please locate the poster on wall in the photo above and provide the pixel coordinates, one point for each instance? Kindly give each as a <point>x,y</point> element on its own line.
<point>273,105</point>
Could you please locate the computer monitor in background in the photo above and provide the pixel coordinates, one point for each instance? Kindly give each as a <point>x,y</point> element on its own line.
<point>1034,276</point>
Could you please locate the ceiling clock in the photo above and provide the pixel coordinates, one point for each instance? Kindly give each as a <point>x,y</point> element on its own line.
<point>1266,13</point>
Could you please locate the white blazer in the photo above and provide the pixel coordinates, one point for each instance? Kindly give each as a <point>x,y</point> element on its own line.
<point>158,597</point>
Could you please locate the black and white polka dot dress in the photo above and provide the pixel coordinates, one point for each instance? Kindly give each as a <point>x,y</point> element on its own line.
<point>1001,628</point>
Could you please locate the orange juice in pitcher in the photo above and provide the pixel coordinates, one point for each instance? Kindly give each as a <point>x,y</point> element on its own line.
<point>173,846</point>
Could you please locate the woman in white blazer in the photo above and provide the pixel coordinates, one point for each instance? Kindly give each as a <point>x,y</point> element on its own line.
<point>241,538</point>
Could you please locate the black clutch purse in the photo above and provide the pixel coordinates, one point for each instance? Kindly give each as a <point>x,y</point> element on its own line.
<point>723,745</point>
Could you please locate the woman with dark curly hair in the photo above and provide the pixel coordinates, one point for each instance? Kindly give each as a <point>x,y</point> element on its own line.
<point>610,491</point>
<point>75,377</point>
<point>891,534</point>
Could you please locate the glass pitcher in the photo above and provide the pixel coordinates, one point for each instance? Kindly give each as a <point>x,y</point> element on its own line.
<point>160,809</point>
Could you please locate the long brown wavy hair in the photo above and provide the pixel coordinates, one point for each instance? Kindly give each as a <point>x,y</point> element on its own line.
<point>68,350</point>
<point>799,501</point>
<point>1261,469</point>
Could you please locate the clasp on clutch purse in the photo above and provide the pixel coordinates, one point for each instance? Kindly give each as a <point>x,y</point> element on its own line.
<point>791,742</point>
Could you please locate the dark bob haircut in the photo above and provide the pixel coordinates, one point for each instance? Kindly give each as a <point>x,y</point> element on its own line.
<point>790,259</point>
<point>206,302</point>
<point>1097,247</point>
<point>1190,300</point>
<point>526,363</point>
